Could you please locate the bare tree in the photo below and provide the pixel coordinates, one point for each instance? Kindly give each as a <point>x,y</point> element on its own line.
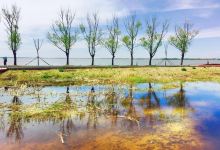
<point>153,39</point>
<point>183,38</point>
<point>38,43</point>
<point>62,34</point>
<point>12,18</point>
<point>112,41</point>
<point>132,26</point>
<point>92,34</point>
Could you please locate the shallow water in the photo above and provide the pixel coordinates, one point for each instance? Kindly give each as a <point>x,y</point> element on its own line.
<point>139,116</point>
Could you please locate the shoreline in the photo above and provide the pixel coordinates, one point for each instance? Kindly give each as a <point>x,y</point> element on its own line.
<point>99,67</point>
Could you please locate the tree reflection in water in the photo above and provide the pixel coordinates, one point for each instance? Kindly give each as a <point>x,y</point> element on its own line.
<point>130,118</point>
<point>15,121</point>
<point>37,93</point>
<point>16,100</point>
<point>93,108</point>
<point>15,128</point>
<point>179,99</point>
<point>67,125</point>
<point>152,100</point>
<point>68,99</point>
<point>111,98</point>
<point>2,120</point>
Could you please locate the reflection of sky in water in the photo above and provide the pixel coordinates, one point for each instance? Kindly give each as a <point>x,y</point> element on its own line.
<point>202,97</point>
<point>205,98</point>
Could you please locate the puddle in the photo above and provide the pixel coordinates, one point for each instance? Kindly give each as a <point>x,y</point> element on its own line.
<point>142,116</point>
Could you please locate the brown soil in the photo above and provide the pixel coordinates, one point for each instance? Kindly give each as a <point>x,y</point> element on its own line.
<point>209,65</point>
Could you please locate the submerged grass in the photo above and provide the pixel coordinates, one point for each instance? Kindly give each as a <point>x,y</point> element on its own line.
<point>109,75</point>
<point>37,111</point>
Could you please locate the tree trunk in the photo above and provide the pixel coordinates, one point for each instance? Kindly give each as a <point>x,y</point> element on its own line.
<point>67,59</point>
<point>92,60</point>
<point>150,61</point>
<point>132,57</point>
<point>182,58</point>
<point>113,58</point>
<point>15,58</point>
<point>38,59</point>
<point>150,86</point>
<point>131,91</point>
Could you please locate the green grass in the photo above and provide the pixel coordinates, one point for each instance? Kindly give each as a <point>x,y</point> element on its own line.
<point>109,76</point>
<point>136,79</point>
<point>57,110</point>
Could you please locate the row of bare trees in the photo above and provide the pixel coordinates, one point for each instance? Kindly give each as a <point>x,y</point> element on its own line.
<point>64,36</point>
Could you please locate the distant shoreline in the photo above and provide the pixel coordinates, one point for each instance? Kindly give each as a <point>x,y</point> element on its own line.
<point>120,58</point>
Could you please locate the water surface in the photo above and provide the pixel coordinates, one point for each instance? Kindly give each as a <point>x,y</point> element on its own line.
<point>142,116</point>
<point>107,61</point>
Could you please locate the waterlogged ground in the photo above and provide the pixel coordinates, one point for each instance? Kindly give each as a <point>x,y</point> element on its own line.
<point>142,116</point>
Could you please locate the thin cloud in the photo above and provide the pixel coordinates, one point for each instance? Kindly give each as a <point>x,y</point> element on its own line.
<point>203,33</point>
<point>209,33</point>
<point>190,4</point>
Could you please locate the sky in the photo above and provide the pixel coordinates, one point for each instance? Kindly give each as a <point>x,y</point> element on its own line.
<point>38,15</point>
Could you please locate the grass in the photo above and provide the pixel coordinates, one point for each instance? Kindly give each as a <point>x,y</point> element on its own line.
<point>109,76</point>
<point>57,110</point>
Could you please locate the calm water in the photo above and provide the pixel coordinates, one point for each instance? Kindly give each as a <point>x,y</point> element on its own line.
<point>106,61</point>
<point>114,117</point>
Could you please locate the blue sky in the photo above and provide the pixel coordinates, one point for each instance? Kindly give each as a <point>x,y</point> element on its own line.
<point>37,16</point>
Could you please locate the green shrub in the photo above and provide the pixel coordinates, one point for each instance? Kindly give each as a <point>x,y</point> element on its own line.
<point>194,67</point>
<point>61,69</point>
<point>183,69</point>
<point>46,75</point>
<point>136,79</point>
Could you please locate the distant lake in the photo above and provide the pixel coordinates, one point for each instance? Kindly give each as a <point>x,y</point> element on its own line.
<point>106,61</point>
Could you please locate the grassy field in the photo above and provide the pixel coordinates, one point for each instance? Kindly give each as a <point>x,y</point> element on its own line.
<point>109,76</point>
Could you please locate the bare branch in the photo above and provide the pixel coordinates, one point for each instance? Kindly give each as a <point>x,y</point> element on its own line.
<point>92,33</point>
